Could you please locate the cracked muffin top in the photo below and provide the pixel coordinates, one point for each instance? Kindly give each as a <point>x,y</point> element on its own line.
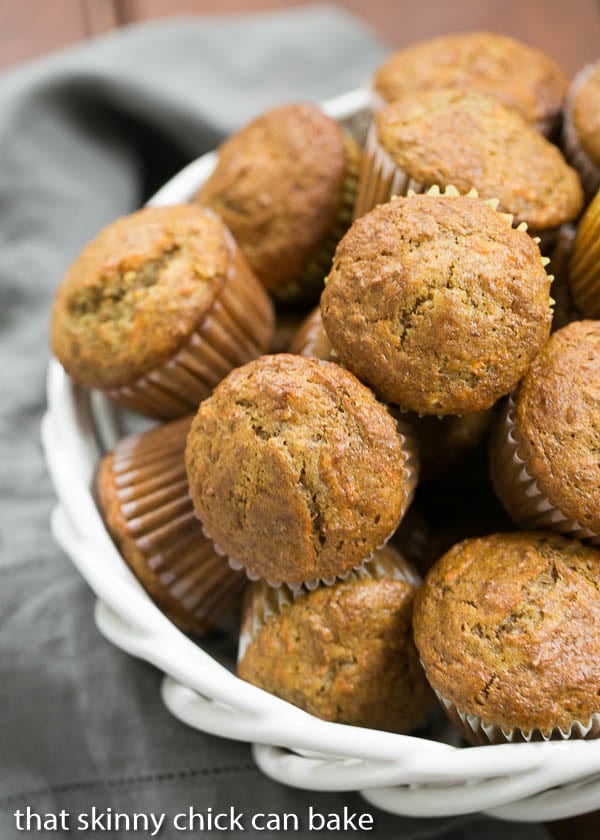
<point>519,76</point>
<point>586,112</point>
<point>437,303</point>
<point>343,652</point>
<point>557,412</point>
<point>295,470</point>
<point>278,185</point>
<point>507,630</point>
<point>472,141</point>
<point>137,291</point>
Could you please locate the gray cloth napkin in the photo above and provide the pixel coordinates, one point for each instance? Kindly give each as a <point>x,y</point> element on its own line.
<point>87,135</point>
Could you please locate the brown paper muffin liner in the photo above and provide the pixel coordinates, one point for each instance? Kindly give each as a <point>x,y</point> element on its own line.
<point>237,329</point>
<point>309,284</point>
<point>574,151</point>
<point>267,601</point>
<point>477,731</point>
<point>410,478</point>
<point>584,273</point>
<point>381,179</point>
<point>164,543</point>
<point>513,482</point>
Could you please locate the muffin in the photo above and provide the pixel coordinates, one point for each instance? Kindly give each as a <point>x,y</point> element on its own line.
<point>581,127</point>
<point>343,653</point>
<point>288,320</point>
<point>545,449</point>
<point>470,141</point>
<point>143,494</point>
<point>584,267</point>
<point>285,186</point>
<point>506,627</point>
<point>296,471</point>
<point>311,340</point>
<point>519,76</point>
<point>157,309</point>
<point>437,303</point>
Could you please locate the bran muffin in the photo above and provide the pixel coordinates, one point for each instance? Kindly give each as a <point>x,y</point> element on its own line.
<point>471,141</point>
<point>437,303</point>
<point>311,339</point>
<point>545,450</point>
<point>296,471</point>
<point>506,626</point>
<point>521,77</point>
<point>343,653</point>
<point>285,186</point>
<point>584,266</point>
<point>581,127</point>
<point>143,494</point>
<point>157,309</point>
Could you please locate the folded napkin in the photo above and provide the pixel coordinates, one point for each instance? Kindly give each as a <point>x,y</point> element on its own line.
<point>87,135</point>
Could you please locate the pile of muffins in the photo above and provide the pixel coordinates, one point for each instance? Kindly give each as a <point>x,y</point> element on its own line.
<point>364,376</point>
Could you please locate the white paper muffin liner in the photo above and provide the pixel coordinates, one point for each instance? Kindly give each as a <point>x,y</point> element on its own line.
<point>476,730</point>
<point>237,329</point>
<point>271,601</point>
<point>529,506</point>
<point>574,151</point>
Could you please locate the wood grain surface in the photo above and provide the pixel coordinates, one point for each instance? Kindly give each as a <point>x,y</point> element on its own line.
<point>569,30</point>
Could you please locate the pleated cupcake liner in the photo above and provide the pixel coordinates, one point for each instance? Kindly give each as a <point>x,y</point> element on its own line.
<point>164,543</point>
<point>475,730</point>
<point>266,602</point>
<point>381,179</point>
<point>519,491</point>
<point>584,268</point>
<point>310,282</point>
<point>410,480</point>
<point>237,329</point>
<point>574,151</point>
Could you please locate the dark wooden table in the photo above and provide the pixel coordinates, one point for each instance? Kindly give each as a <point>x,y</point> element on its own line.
<point>569,30</point>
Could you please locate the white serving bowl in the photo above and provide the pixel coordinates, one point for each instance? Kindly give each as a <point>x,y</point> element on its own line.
<point>399,773</point>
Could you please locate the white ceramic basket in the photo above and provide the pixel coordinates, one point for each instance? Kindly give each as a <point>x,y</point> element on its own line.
<point>401,774</point>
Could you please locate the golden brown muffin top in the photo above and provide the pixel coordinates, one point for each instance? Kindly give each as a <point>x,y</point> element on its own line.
<point>519,76</point>
<point>135,294</point>
<point>558,421</point>
<point>278,186</point>
<point>295,469</point>
<point>343,652</point>
<point>507,629</point>
<point>586,113</point>
<point>472,141</point>
<point>437,302</point>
